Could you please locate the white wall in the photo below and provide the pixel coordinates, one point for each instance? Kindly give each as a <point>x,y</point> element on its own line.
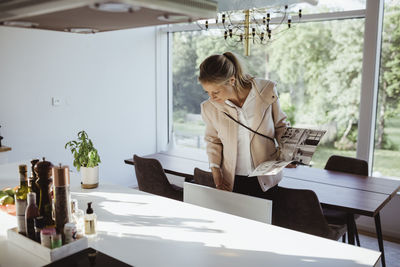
<point>106,83</point>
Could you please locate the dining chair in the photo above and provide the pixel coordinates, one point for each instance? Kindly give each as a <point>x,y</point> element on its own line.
<point>347,165</point>
<point>300,210</point>
<point>152,179</point>
<point>203,178</point>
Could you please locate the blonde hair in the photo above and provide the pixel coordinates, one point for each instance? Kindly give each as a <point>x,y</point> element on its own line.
<point>219,68</point>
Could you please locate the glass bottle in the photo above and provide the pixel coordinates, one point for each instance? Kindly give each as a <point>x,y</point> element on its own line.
<point>77,217</point>
<point>90,221</point>
<point>32,180</point>
<point>44,181</point>
<point>20,198</point>
<point>39,225</point>
<point>31,213</point>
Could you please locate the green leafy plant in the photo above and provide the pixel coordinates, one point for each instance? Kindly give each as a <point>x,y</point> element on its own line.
<point>85,155</point>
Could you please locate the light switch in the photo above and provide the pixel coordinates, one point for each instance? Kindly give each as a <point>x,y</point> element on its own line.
<point>56,101</point>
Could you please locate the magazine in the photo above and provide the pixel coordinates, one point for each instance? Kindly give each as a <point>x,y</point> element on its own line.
<point>297,146</point>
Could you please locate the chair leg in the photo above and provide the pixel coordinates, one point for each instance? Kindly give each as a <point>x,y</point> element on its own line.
<point>356,234</point>
<point>344,238</point>
<point>350,228</point>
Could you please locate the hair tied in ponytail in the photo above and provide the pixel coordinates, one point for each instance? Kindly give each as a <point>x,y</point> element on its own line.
<point>228,56</point>
<point>220,68</point>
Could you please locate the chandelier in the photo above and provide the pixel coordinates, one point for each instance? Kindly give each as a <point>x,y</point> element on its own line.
<point>254,26</point>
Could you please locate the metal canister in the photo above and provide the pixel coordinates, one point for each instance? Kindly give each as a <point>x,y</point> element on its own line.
<point>62,203</point>
<point>70,232</point>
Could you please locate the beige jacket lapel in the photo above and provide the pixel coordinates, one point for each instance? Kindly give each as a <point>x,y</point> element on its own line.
<point>264,98</point>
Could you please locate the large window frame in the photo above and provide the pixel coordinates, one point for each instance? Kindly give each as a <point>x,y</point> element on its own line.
<point>373,15</point>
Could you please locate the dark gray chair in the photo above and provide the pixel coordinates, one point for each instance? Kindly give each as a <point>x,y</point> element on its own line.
<point>152,179</point>
<point>300,210</point>
<point>348,165</point>
<point>203,178</point>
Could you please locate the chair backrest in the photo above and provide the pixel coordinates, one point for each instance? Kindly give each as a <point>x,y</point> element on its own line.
<point>152,179</point>
<point>253,208</point>
<point>203,178</point>
<point>300,210</point>
<point>347,164</point>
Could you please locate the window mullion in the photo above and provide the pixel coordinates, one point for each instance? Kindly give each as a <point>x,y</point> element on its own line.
<point>370,78</point>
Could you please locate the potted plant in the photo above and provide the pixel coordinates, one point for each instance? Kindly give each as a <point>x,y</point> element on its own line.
<point>86,159</point>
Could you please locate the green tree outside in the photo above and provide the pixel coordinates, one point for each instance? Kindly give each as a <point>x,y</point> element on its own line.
<point>318,69</point>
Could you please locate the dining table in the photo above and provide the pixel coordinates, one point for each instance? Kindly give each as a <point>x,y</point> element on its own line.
<point>353,194</point>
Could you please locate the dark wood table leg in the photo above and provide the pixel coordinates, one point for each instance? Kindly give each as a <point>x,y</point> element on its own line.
<point>380,238</point>
<point>356,234</point>
<point>350,228</point>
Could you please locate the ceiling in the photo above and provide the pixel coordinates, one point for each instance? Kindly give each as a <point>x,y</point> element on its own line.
<point>90,16</point>
<point>72,15</point>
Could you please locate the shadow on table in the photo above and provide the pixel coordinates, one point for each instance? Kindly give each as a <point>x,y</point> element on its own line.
<point>149,250</point>
<point>121,208</point>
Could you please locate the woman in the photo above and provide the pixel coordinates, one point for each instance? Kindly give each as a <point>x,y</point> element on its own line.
<point>237,101</point>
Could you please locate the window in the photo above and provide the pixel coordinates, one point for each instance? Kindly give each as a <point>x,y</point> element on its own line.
<point>315,87</point>
<point>387,128</point>
<point>318,66</point>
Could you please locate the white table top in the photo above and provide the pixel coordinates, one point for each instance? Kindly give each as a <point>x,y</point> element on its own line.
<point>146,230</point>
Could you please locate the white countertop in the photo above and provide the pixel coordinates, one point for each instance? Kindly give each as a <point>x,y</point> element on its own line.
<point>146,230</point>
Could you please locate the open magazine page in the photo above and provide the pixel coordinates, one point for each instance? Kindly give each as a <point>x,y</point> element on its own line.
<point>298,145</point>
<point>269,168</point>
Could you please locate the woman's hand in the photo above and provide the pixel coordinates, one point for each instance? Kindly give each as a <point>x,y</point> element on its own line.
<point>223,186</point>
<point>218,179</point>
